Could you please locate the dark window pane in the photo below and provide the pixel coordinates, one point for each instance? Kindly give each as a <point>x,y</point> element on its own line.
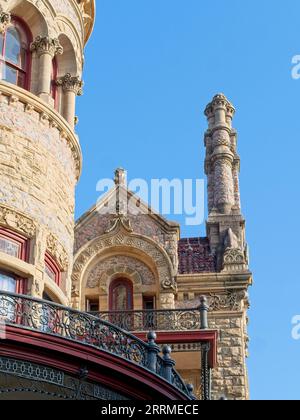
<point>13,46</point>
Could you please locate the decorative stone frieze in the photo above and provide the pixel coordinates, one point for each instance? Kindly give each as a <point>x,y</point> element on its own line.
<point>230,301</point>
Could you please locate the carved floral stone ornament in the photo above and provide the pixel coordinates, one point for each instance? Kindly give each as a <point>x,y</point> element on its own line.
<point>234,259</point>
<point>231,301</point>
<point>17,221</point>
<point>46,45</point>
<point>5,20</point>
<point>71,83</point>
<point>58,252</point>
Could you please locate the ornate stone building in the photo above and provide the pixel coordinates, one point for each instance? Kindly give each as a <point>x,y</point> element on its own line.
<point>138,262</point>
<point>131,266</point>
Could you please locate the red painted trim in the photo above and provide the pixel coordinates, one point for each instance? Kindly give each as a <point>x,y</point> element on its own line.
<point>53,266</point>
<point>112,371</point>
<point>21,283</point>
<point>180,337</point>
<point>129,289</point>
<point>19,239</point>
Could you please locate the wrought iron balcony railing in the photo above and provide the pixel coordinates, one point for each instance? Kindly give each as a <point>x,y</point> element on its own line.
<point>50,318</point>
<point>159,320</point>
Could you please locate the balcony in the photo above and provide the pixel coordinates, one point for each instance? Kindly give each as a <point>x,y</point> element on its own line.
<point>185,330</point>
<point>155,320</point>
<point>33,323</point>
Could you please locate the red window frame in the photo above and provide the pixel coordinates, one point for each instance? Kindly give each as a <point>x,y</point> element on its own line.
<point>19,23</point>
<point>129,290</point>
<point>21,283</point>
<point>23,242</point>
<point>52,265</point>
<point>19,240</point>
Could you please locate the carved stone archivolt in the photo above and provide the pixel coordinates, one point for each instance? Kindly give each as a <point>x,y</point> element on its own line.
<point>58,252</point>
<point>17,221</point>
<point>119,265</point>
<point>137,244</point>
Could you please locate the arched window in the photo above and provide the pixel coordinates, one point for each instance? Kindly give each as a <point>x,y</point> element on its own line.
<point>15,54</point>
<point>121,295</point>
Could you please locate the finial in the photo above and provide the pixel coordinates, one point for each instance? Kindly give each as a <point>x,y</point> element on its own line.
<point>121,177</point>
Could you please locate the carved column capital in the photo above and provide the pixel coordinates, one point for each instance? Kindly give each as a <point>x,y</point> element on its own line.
<point>71,83</point>
<point>5,20</point>
<point>46,45</point>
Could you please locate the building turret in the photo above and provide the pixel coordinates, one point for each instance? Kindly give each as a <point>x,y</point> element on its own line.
<point>40,157</point>
<point>222,166</point>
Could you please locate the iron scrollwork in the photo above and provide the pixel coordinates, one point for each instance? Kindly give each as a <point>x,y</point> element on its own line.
<point>50,318</point>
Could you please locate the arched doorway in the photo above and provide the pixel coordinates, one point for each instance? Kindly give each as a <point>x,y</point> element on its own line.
<point>121,295</point>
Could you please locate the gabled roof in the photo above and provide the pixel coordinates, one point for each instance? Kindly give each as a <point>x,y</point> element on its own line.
<point>137,206</point>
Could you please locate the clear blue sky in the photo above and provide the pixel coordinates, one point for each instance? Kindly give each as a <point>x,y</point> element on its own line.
<point>151,68</point>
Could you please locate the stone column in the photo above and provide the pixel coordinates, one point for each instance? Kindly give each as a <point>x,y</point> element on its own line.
<point>46,49</point>
<point>220,156</point>
<point>71,87</point>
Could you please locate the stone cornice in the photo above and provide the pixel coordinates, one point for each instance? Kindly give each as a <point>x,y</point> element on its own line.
<point>33,103</point>
<point>203,282</point>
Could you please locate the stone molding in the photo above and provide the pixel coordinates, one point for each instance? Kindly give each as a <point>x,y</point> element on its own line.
<point>46,45</point>
<point>48,115</point>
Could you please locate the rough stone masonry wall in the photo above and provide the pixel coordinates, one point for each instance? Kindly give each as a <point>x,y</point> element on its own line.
<point>230,376</point>
<point>37,170</point>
